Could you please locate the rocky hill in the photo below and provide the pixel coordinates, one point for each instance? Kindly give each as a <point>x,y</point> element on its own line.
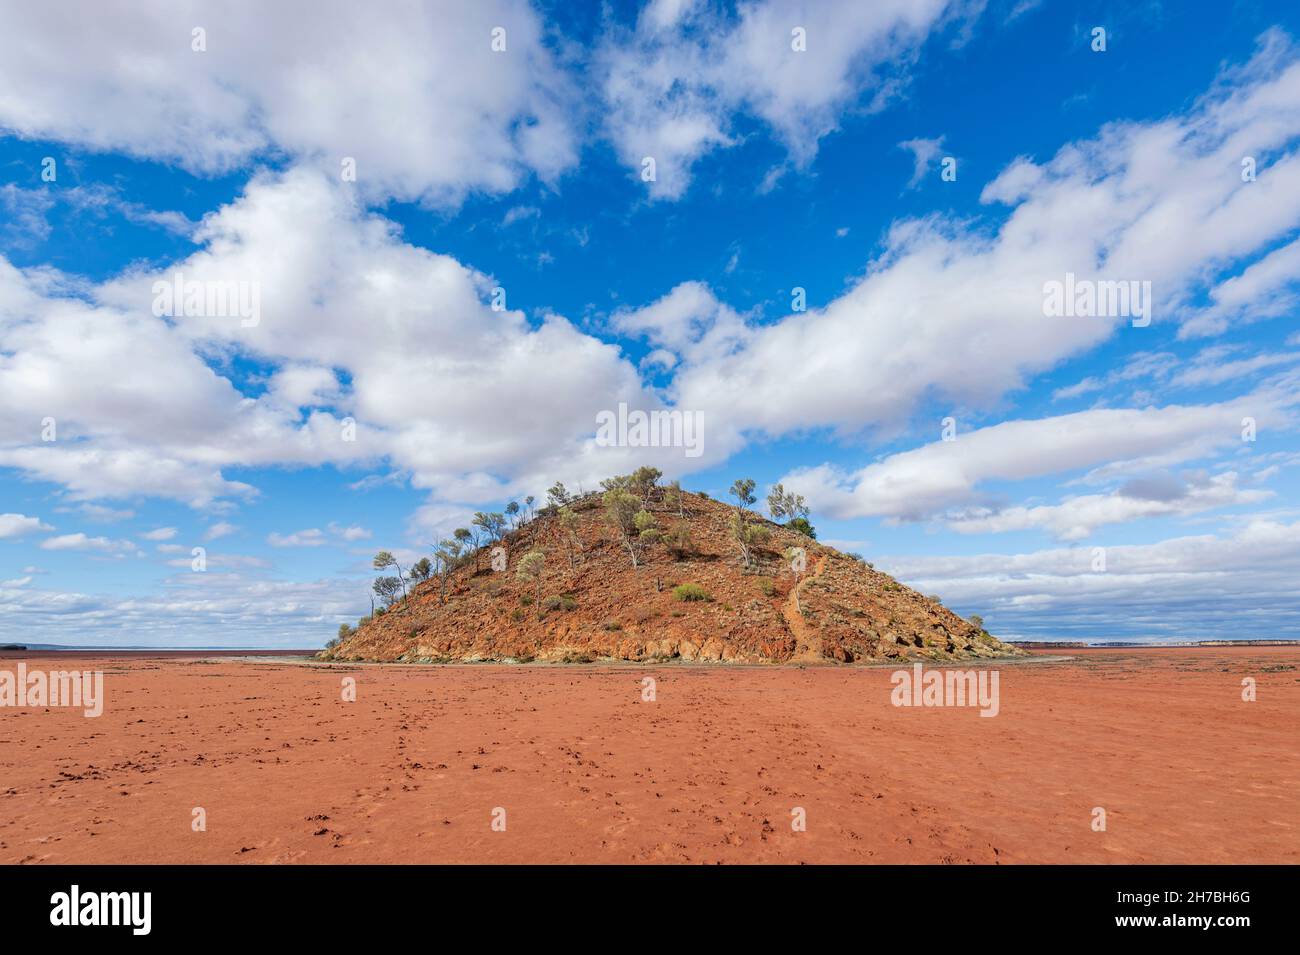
<point>690,597</point>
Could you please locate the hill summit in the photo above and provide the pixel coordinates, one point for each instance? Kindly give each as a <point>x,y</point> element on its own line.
<point>643,572</point>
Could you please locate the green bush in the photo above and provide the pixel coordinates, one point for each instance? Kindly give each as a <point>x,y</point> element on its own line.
<point>801,525</point>
<point>562,602</point>
<point>766,585</point>
<point>690,592</point>
<point>611,625</point>
<point>678,540</point>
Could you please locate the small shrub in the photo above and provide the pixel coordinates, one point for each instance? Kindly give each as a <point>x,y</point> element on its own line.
<point>767,585</point>
<point>690,592</point>
<point>517,615</point>
<point>611,626</point>
<point>526,600</point>
<point>562,602</point>
<point>678,540</point>
<point>801,526</point>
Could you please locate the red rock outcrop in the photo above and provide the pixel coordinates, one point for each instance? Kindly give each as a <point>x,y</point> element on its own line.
<point>601,608</point>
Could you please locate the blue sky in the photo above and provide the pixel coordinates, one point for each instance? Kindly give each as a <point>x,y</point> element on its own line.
<point>1078,440</point>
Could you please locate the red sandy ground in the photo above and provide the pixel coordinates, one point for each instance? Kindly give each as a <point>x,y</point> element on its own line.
<point>709,772</point>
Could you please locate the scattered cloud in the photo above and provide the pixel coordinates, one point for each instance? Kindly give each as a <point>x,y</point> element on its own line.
<point>80,541</point>
<point>926,482</point>
<point>16,525</point>
<point>218,530</point>
<point>1240,584</point>
<point>673,83</point>
<point>444,116</point>
<point>1079,517</point>
<point>924,153</point>
<point>1139,201</point>
<point>311,537</point>
<point>315,537</point>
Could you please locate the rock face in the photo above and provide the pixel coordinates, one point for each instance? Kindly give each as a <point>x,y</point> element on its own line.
<point>601,608</point>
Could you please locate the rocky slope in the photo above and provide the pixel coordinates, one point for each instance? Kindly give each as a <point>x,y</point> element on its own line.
<point>602,608</point>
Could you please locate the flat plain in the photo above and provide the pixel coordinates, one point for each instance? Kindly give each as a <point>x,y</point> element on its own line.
<point>714,769</point>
